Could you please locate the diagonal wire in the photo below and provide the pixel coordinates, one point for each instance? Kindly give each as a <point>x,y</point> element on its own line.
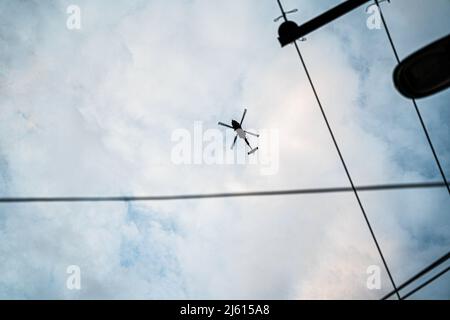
<point>342,159</point>
<point>426,283</point>
<point>419,115</point>
<point>379,187</point>
<point>421,273</point>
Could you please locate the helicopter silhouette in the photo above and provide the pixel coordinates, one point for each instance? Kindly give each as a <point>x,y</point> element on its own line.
<point>241,133</point>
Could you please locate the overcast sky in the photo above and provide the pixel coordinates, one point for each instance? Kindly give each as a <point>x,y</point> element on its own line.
<point>93,112</point>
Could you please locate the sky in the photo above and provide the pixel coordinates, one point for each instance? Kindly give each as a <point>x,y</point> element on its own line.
<point>96,111</point>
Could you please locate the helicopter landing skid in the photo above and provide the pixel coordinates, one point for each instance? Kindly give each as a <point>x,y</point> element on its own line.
<point>253,151</point>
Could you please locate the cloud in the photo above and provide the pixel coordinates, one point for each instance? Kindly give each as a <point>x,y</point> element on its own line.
<point>91,112</point>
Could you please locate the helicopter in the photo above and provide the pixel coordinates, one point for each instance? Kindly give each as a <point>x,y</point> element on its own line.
<point>241,133</point>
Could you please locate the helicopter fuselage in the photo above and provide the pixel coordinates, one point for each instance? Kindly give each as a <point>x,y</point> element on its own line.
<point>237,127</point>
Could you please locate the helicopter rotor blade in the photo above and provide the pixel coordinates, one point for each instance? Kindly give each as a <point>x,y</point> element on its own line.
<point>225,125</point>
<point>243,116</point>
<point>234,142</point>
<point>251,133</point>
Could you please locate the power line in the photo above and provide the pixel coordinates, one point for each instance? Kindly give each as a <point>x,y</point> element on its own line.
<point>342,159</point>
<point>419,115</point>
<point>421,273</point>
<point>380,187</point>
<point>426,283</point>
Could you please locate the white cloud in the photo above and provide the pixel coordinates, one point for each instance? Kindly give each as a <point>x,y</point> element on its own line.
<point>105,101</point>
